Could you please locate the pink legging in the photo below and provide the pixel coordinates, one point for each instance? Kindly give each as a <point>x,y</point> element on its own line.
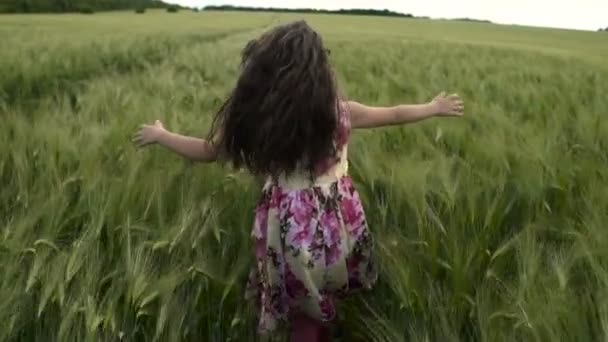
<point>306,329</point>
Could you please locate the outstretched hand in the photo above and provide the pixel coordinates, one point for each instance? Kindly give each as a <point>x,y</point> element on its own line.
<point>149,134</point>
<point>451,105</point>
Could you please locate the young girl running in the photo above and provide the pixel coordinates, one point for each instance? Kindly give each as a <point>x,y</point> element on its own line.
<point>286,122</point>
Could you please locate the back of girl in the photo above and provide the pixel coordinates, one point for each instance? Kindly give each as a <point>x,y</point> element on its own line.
<point>285,121</point>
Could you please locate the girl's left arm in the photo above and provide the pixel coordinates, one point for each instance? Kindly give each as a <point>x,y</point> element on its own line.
<point>363,116</point>
<point>194,149</point>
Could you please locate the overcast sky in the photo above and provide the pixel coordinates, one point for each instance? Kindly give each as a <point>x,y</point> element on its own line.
<point>580,14</point>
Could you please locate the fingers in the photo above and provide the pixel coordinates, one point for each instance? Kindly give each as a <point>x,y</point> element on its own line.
<point>141,143</point>
<point>457,108</point>
<point>138,140</point>
<point>452,104</point>
<point>458,103</point>
<point>142,137</point>
<point>458,111</point>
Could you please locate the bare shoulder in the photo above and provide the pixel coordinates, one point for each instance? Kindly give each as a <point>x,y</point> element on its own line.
<point>357,111</point>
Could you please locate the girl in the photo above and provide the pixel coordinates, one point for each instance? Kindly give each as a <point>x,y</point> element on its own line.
<point>285,121</point>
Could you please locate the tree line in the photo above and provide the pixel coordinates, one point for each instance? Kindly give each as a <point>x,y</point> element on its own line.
<point>89,6</point>
<point>61,6</point>
<point>384,12</point>
<point>355,11</point>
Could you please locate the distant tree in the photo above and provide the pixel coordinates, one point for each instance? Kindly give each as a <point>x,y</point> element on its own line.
<point>23,6</point>
<point>86,9</point>
<point>172,9</point>
<point>88,6</point>
<point>371,12</point>
<point>473,20</point>
<point>140,10</point>
<point>157,4</point>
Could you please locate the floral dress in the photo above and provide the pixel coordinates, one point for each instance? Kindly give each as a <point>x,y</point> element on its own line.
<point>312,242</point>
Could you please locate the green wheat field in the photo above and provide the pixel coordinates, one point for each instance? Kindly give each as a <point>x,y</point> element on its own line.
<point>488,228</point>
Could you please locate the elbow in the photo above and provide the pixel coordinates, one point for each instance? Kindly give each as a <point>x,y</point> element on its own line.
<point>209,154</point>
<point>203,158</point>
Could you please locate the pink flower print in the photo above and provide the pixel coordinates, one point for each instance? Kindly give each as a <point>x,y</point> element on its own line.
<point>344,126</point>
<point>342,137</point>
<point>351,211</point>
<point>276,197</point>
<point>329,221</point>
<point>347,187</point>
<point>294,287</point>
<point>331,236</point>
<point>261,222</point>
<point>328,311</point>
<point>260,248</point>
<point>303,224</point>
<point>302,208</point>
<point>304,235</point>
<point>333,255</point>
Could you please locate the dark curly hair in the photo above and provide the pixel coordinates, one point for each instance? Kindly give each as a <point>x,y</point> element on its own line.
<point>282,114</point>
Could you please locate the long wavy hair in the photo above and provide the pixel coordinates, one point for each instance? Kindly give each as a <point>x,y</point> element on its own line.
<point>282,114</point>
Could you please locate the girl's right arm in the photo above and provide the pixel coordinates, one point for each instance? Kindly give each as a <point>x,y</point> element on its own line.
<point>194,149</point>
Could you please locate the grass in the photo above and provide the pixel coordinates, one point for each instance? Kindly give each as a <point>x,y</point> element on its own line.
<point>489,228</point>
